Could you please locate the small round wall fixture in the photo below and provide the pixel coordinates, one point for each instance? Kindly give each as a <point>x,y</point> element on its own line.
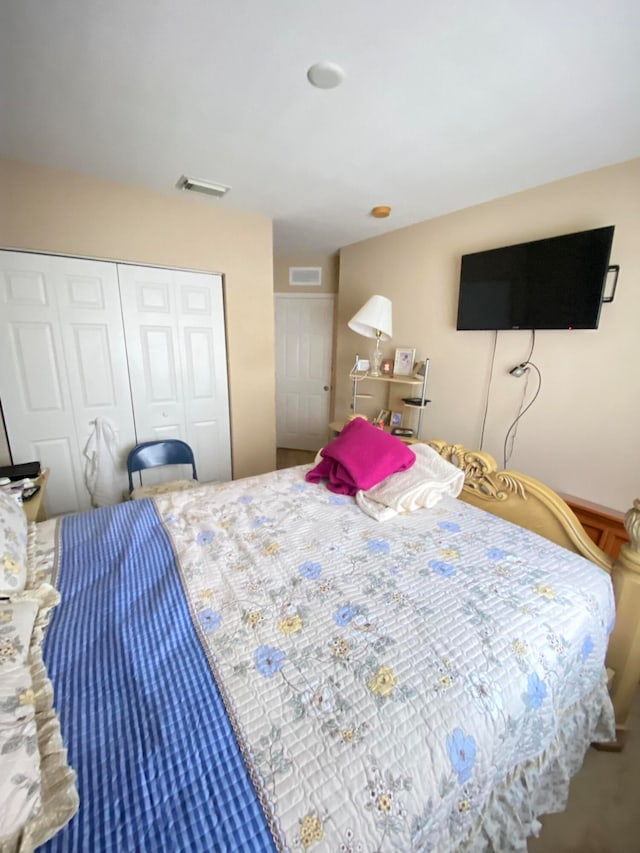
<point>381,211</point>
<point>325,75</point>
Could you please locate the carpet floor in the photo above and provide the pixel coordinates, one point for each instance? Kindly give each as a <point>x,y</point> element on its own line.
<point>603,812</point>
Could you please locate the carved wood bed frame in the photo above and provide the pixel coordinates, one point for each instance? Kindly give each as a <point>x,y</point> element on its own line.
<point>527,502</point>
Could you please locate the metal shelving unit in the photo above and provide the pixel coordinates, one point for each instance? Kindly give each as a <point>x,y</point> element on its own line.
<point>357,377</point>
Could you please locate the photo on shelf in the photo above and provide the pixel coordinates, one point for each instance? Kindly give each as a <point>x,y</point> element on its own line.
<point>386,367</point>
<point>382,417</point>
<point>403,362</point>
<point>419,369</point>
<point>396,419</point>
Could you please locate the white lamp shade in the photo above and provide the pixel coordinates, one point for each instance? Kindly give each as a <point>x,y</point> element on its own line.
<point>373,317</point>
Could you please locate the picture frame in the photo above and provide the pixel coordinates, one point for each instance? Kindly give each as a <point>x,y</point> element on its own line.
<point>360,368</point>
<point>382,417</point>
<point>403,361</point>
<point>386,367</point>
<point>396,419</point>
<point>419,369</point>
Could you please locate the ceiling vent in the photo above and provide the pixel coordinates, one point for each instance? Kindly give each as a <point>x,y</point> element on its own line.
<point>305,276</point>
<point>207,187</point>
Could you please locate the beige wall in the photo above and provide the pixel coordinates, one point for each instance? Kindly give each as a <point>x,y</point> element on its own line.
<point>582,435</point>
<point>329,264</point>
<point>52,211</point>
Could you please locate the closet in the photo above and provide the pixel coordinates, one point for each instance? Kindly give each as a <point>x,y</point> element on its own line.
<point>82,339</point>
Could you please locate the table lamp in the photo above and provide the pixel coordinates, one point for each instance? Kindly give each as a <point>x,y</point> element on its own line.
<point>373,320</point>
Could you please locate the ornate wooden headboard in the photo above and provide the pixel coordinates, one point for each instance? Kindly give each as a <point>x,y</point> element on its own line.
<point>520,499</point>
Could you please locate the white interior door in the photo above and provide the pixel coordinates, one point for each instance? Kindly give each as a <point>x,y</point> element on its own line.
<point>304,340</point>
<point>63,364</point>
<point>174,326</point>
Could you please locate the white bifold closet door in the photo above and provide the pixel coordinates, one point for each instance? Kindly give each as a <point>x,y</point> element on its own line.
<point>67,357</point>
<point>174,328</point>
<point>62,364</point>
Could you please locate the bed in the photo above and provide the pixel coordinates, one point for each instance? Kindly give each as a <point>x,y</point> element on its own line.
<point>258,665</point>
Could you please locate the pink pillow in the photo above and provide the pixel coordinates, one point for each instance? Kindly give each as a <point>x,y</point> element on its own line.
<point>360,457</point>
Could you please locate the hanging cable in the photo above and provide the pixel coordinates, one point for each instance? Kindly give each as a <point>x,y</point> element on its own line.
<point>507,454</point>
<point>486,402</point>
<point>522,412</point>
<point>533,343</point>
<point>521,369</point>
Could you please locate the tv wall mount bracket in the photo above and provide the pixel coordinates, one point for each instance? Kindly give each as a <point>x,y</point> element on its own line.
<point>614,268</point>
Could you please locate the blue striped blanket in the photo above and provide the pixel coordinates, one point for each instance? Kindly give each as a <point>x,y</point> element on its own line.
<point>157,762</point>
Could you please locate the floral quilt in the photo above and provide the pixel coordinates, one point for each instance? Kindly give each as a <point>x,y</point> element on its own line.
<point>402,686</point>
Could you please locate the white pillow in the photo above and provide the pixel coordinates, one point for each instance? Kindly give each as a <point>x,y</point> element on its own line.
<point>16,626</point>
<point>20,795</point>
<point>20,801</point>
<point>37,786</point>
<point>13,545</point>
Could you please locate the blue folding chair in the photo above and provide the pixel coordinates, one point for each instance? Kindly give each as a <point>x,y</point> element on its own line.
<point>151,454</point>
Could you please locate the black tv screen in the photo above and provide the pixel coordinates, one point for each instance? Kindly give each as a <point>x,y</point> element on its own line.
<point>555,283</point>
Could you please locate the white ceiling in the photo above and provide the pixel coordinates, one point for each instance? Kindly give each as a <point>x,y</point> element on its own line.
<point>445,104</point>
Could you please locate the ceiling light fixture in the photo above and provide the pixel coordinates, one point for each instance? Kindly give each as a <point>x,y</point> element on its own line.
<point>325,75</point>
<point>198,186</point>
<point>381,211</point>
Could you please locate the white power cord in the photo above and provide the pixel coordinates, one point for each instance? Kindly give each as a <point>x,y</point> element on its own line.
<point>525,369</point>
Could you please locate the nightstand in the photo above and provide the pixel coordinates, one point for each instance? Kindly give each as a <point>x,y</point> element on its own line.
<point>34,509</point>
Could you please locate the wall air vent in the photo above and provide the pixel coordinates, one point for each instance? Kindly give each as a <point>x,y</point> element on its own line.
<point>198,186</point>
<point>305,276</point>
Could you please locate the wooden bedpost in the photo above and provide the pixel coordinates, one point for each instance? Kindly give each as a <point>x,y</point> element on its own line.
<point>624,646</point>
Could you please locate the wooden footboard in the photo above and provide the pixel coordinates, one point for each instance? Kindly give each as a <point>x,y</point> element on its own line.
<point>529,503</point>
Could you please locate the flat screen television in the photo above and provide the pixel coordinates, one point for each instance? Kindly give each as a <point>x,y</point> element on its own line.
<point>555,283</point>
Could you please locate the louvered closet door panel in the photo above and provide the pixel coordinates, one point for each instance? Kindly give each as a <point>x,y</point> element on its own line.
<point>174,326</point>
<point>63,365</point>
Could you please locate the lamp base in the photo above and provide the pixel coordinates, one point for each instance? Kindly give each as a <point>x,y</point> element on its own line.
<point>376,361</point>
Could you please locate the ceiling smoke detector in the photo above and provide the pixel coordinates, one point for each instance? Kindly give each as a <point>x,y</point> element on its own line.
<point>198,186</point>
<point>325,75</point>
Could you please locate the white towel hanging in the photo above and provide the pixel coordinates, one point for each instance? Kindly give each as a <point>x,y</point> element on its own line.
<point>101,475</point>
